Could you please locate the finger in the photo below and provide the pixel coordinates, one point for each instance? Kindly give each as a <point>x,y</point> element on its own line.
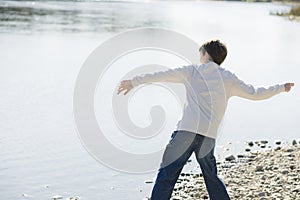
<point>127,91</point>
<point>120,90</point>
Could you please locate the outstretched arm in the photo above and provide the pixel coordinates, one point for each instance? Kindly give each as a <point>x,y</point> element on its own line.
<point>178,75</point>
<point>241,89</point>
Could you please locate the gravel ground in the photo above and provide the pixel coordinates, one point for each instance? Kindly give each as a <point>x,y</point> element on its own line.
<point>265,174</point>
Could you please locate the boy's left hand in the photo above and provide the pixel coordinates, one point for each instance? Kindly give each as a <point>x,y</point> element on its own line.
<point>288,86</point>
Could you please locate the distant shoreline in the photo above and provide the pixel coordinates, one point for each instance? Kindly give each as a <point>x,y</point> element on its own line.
<point>293,14</point>
<point>268,1</point>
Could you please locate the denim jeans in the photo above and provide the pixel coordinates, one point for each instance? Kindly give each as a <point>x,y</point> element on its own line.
<point>179,149</point>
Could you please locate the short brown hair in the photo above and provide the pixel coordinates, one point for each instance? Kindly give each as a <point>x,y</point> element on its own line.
<point>216,50</point>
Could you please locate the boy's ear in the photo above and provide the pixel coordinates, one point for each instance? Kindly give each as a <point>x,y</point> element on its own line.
<point>207,55</point>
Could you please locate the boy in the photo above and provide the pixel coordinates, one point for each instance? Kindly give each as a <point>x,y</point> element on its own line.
<point>208,89</point>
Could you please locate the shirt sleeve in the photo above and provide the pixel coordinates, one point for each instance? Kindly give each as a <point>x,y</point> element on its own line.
<point>178,75</point>
<point>248,91</point>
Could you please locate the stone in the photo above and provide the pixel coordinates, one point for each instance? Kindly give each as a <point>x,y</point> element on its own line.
<point>177,198</point>
<point>241,156</point>
<point>292,167</point>
<point>230,158</point>
<point>289,150</point>
<point>73,198</point>
<point>277,148</point>
<point>263,177</point>
<point>250,144</point>
<point>296,189</point>
<point>56,197</point>
<point>259,168</point>
<point>261,194</point>
<point>148,181</point>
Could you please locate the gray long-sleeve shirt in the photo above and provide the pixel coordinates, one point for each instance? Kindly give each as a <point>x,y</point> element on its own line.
<point>208,89</point>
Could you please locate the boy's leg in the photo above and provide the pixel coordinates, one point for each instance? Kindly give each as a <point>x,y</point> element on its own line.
<point>176,154</point>
<point>205,157</point>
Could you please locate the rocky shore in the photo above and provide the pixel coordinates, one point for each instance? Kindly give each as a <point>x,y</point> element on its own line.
<point>272,173</point>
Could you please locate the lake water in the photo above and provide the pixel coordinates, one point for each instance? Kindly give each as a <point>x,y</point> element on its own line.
<point>43,45</point>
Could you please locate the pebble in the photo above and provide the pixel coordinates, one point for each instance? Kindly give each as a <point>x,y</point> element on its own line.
<point>277,148</point>
<point>241,156</point>
<point>259,168</point>
<point>56,197</point>
<point>149,181</point>
<point>261,194</point>
<point>230,158</point>
<point>266,174</point>
<point>296,189</point>
<point>250,144</point>
<point>73,198</point>
<point>176,198</point>
<point>26,195</point>
<point>289,150</point>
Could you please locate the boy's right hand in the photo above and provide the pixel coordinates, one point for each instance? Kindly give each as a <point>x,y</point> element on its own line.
<point>125,85</point>
<point>288,86</point>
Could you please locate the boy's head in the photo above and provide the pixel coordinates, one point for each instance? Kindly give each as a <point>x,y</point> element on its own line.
<point>216,50</point>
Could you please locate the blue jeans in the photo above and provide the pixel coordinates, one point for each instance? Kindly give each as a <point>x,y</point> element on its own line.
<point>179,149</point>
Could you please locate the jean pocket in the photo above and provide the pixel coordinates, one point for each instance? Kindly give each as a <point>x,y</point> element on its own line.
<point>173,136</point>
